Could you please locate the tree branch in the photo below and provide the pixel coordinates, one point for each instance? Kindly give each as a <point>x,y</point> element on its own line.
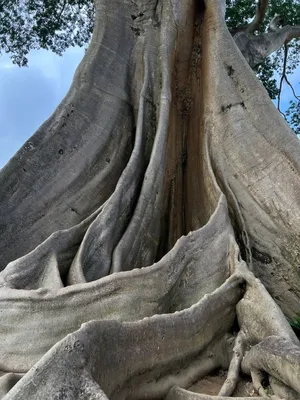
<point>62,10</point>
<point>285,78</point>
<point>261,9</point>
<point>256,48</point>
<point>282,78</point>
<point>276,21</point>
<point>292,32</point>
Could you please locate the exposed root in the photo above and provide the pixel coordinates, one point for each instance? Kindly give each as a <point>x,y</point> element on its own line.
<point>281,390</point>
<point>234,368</point>
<point>278,357</point>
<point>177,393</point>
<point>98,349</point>
<point>167,324</point>
<point>257,379</point>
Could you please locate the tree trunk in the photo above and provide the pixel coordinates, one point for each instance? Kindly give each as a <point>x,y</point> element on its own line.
<point>166,153</point>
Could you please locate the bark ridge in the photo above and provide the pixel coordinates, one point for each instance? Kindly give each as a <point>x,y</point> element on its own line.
<point>150,227</point>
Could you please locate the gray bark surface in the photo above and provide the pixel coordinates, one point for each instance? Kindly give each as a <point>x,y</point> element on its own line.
<point>150,228</point>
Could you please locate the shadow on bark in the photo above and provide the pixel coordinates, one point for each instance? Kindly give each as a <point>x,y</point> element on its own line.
<point>150,228</point>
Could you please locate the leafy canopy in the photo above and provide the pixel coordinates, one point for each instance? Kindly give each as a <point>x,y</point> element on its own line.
<point>44,24</point>
<point>58,24</point>
<point>238,13</point>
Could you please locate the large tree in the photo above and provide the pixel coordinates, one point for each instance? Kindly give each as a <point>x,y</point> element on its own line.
<point>58,24</point>
<point>150,228</point>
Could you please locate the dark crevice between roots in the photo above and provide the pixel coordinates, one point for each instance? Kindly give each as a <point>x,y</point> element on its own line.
<point>181,131</point>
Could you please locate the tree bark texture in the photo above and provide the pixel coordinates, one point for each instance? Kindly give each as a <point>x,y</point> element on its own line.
<point>150,228</point>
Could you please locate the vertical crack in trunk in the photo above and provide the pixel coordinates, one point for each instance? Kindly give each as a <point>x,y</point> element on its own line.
<point>164,133</point>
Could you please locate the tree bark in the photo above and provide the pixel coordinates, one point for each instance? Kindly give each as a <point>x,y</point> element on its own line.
<point>152,222</point>
<point>255,49</point>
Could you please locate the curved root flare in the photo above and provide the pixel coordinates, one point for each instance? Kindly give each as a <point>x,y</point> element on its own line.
<point>150,229</point>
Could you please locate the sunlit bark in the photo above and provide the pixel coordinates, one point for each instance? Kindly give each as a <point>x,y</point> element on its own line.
<point>146,208</point>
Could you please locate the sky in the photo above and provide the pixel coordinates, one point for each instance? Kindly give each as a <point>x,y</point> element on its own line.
<point>29,95</point>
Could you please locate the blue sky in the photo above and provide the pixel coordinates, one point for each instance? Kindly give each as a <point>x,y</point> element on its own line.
<point>29,95</point>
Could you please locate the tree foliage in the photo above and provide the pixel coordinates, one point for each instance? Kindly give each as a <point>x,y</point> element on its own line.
<point>44,24</point>
<point>239,12</point>
<point>293,115</point>
<point>58,24</point>
<point>150,227</point>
